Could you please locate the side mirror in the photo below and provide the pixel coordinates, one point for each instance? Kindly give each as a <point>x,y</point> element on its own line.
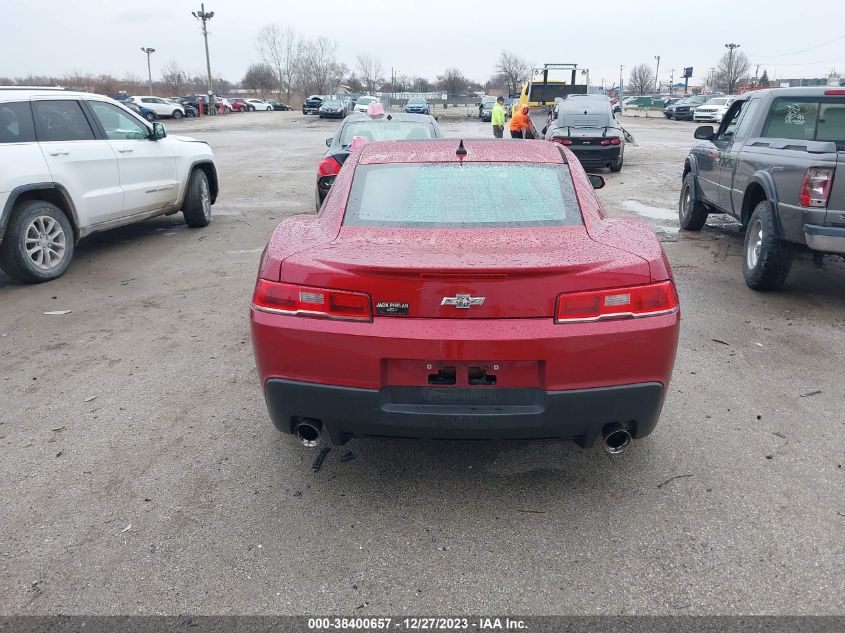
<point>159,131</point>
<point>596,180</point>
<point>704,133</point>
<point>329,141</point>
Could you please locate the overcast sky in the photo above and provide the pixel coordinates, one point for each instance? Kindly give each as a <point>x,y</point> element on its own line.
<point>788,38</point>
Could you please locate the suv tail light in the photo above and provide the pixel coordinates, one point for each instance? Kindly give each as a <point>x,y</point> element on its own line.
<point>290,299</point>
<point>834,92</point>
<point>613,140</point>
<point>617,303</point>
<point>561,140</point>
<point>815,189</point>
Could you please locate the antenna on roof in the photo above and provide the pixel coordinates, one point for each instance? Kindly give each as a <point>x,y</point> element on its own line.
<point>461,151</point>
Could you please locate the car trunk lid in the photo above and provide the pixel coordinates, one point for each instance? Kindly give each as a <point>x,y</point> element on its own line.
<point>482,273</point>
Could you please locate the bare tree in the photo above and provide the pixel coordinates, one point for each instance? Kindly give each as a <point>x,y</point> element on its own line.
<point>259,77</point>
<point>641,81</point>
<point>453,82</point>
<point>174,77</point>
<point>732,71</point>
<point>370,71</point>
<point>280,49</point>
<point>317,65</point>
<point>513,71</point>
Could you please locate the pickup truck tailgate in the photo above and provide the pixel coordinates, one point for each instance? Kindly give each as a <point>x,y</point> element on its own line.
<point>836,202</point>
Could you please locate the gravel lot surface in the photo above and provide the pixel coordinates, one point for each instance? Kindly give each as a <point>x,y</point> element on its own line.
<point>141,473</point>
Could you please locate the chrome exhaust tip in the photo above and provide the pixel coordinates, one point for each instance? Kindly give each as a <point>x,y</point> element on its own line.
<point>616,439</point>
<point>308,433</point>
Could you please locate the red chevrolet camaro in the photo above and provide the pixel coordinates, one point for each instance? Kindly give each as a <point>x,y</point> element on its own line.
<point>465,291</point>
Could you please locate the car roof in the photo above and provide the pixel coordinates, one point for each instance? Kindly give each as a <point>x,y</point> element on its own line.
<point>17,93</point>
<point>394,116</point>
<point>445,151</point>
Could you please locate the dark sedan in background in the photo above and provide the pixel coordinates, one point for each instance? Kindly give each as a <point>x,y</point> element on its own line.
<point>417,106</point>
<point>332,109</point>
<point>684,109</point>
<point>377,127</point>
<point>586,125</point>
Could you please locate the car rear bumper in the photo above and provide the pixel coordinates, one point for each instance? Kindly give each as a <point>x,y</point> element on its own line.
<point>364,378</point>
<point>596,157</point>
<point>478,413</point>
<point>826,239</point>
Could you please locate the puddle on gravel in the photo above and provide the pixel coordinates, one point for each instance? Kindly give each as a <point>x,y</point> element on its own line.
<point>653,213</point>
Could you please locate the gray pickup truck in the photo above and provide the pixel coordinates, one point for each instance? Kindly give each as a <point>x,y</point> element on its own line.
<point>772,164</point>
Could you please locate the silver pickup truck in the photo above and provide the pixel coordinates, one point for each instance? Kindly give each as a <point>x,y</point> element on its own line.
<point>772,164</point>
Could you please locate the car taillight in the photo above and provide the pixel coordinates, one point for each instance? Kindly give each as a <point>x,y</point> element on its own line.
<point>613,140</point>
<point>290,299</point>
<point>617,303</point>
<point>329,167</point>
<point>815,189</point>
<point>835,92</point>
<point>561,140</point>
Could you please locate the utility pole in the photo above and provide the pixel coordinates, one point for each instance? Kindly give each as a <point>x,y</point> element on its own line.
<point>731,78</point>
<point>672,81</point>
<point>204,17</point>
<point>620,82</point>
<point>657,74</point>
<point>149,51</point>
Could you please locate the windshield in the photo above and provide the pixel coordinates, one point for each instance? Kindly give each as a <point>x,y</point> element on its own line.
<point>717,102</point>
<point>332,104</point>
<point>365,100</point>
<point>416,101</point>
<point>469,195</point>
<point>384,130</point>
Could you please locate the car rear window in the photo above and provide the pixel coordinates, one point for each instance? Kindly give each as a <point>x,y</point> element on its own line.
<point>384,130</point>
<point>806,119</point>
<point>469,195</point>
<point>16,123</point>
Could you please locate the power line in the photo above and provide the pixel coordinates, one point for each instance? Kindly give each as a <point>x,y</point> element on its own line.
<point>806,50</point>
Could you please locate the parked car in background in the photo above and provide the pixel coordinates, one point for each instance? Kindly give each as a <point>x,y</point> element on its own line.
<point>487,102</point>
<point>279,106</point>
<point>332,109</point>
<point>487,110</point>
<point>260,105</point>
<point>162,107</point>
<point>77,163</point>
<point>777,164</point>
<point>312,104</point>
<point>714,109</point>
<point>422,302</point>
<point>684,109</point>
<point>363,103</point>
<point>372,127</point>
<point>239,105</point>
<point>190,111</point>
<point>146,113</point>
<point>586,125</point>
<point>417,105</point>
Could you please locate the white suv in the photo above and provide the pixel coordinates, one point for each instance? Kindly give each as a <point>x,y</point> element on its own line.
<point>162,107</point>
<point>72,164</point>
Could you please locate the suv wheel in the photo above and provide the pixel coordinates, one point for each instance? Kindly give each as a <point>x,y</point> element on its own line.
<point>38,244</point>
<point>197,205</point>
<point>692,214</point>
<point>177,114</point>
<point>766,259</point>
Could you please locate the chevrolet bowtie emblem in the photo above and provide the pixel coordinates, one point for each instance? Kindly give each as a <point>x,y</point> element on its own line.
<point>462,301</point>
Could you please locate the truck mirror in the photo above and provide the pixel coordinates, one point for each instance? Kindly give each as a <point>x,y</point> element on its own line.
<point>704,133</point>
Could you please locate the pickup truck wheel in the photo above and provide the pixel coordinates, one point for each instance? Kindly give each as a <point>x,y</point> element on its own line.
<point>692,214</point>
<point>38,244</point>
<point>766,259</point>
<point>197,206</point>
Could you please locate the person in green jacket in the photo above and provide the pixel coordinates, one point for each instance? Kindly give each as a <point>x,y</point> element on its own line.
<point>498,118</point>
